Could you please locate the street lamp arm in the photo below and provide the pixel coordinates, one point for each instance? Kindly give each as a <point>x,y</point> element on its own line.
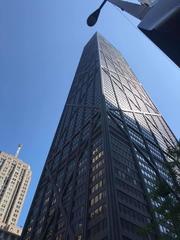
<point>160,23</point>
<point>136,10</point>
<point>92,19</point>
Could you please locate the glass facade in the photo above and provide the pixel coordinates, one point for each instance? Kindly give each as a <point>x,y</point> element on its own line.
<point>98,175</point>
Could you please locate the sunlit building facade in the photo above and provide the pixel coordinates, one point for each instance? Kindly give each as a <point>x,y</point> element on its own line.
<point>15,176</point>
<point>97,178</point>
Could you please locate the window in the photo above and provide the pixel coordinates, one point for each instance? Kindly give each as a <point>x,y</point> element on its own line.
<point>97,156</point>
<point>97,186</point>
<point>97,175</point>
<point>97,211</point>
<point>137,138</point>
<point>98,165</point>
<point>97,198</point>
<point>133,214</point>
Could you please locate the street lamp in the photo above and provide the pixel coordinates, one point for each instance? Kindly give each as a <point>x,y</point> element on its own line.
<point>160,23</point>
<point>92,19</point>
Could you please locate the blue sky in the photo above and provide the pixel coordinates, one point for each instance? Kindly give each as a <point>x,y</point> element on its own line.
<point>40,45</point>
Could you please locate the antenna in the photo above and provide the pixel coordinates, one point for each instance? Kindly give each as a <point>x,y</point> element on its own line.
<point>18,150</point>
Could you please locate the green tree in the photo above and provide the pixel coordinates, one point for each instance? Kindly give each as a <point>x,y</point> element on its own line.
<point>167,197</point>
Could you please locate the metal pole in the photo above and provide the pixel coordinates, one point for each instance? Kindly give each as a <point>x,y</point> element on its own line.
<point>18,150</point>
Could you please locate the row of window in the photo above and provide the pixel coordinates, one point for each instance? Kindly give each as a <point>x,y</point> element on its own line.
<point>97,186</point>
<point>133,215</point>
<point>131,201</point>
<point>97,211</point>
<point>124,186</point>
<point>97,198</point>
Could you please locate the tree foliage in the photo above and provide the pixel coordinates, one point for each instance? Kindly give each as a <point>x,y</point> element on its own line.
<point>167,197</point>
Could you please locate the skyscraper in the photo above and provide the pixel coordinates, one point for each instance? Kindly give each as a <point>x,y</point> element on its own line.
<point>15,177</point>
<point>97,177</point>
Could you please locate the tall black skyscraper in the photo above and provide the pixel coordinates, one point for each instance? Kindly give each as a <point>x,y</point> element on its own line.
<point>97,177</point>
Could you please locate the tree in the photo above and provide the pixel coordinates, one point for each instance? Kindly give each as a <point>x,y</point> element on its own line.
<point>174,165</point>
<point>166,198</point>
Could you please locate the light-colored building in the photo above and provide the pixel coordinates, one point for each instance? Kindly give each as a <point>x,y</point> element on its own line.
<point>15,176</point>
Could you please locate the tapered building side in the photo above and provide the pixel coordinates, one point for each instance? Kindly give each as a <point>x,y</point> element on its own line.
<point>97,178</point>
<point>15,176</point>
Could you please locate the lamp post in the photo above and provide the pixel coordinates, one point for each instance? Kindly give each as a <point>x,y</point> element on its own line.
<point>160,23</point>
<point>92,19</point>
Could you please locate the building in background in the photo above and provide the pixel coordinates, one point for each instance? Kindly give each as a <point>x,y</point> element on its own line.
<point>15,176</point>
<point>98,174</point>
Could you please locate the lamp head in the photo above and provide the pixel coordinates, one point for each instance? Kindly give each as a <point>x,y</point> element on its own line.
<point>92,19</point>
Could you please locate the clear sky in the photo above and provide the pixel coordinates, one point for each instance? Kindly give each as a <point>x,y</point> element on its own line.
<point>40,45</point>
